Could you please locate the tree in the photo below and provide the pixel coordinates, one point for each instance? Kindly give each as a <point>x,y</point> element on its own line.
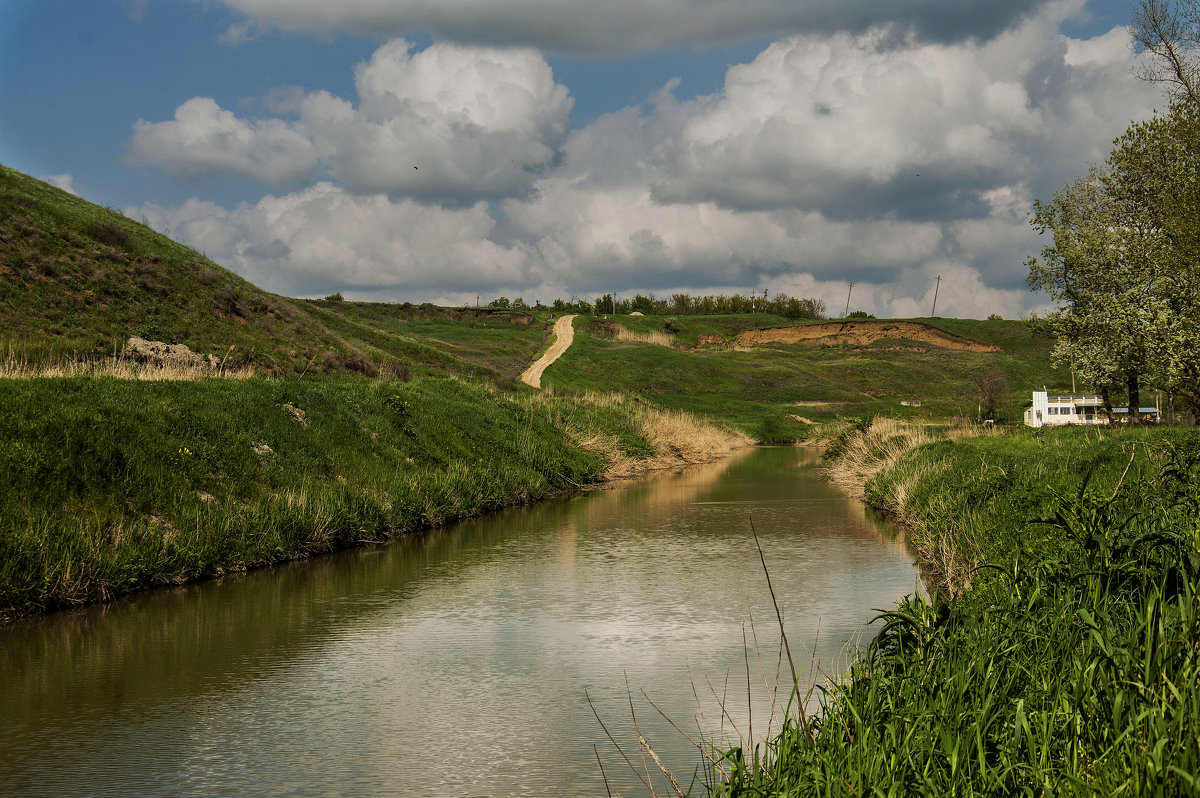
<point>1095,271</point>
<point>1156,171</point>
<point>988,385</point>
<point>1125,262</point>
<point>605,304</point>
<point>1169,31</point>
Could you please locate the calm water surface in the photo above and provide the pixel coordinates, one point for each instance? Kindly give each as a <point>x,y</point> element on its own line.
<point>460,663</point>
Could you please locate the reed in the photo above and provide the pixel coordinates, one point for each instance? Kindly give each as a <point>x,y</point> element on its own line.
<point>18,367</point>
<point>1069,667</point>
<point>653,337</point>
<point>667,438</point>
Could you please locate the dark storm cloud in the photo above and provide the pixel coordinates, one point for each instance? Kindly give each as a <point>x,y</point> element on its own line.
<point>932,193</point>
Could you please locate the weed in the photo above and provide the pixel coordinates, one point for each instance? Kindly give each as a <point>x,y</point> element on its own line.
<point>117,484</point>
<point>1069,667</point>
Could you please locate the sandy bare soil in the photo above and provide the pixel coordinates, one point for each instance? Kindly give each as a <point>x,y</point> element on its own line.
<point>564,335</point>
<point>860,333</point>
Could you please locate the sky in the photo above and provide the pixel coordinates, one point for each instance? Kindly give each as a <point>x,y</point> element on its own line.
<point>462,150</point>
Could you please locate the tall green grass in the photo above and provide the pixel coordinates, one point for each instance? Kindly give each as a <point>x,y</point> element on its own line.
<point>1071,666</point>
<point>108,485</point>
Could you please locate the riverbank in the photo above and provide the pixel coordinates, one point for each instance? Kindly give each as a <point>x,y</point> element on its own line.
<point>113,486</point>
<point>1065,659</point>
<point>867,451</point>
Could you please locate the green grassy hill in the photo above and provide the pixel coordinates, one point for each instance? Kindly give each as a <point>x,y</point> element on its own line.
<point>77,280</point>
<point>117,484</point>
<point>768,389</point>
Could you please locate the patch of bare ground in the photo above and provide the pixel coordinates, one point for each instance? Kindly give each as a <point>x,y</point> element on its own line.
<point>564,334</point>
<point>861,333</point>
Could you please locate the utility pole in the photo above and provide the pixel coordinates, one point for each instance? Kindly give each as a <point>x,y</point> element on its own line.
<point>935,293</point>
<point>848,290</point>
<point>614,302</point>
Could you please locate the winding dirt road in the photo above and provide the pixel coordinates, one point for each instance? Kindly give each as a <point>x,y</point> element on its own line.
<point>564,335</point>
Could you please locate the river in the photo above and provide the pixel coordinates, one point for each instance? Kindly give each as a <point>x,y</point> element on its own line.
<point>466,661</point>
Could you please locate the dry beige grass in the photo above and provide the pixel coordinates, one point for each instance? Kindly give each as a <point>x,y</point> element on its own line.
<point>655,337</point>
<point>946,565</point>
<point>678,438</point>
<point>16,368</point>
<point>869,453</point>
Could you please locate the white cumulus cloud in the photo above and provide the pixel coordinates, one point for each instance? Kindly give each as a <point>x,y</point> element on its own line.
<point>922,130</point>
<point>322,238</point>
<point>879,158</point>
<point>65,181</point>
<point>203,137</point>
<point>445,123</point>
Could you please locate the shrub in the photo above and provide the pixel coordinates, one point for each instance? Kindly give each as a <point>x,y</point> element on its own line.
<point>110,234</point>
<point>773,429</point>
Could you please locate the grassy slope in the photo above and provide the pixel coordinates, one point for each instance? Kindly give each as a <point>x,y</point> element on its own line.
<point>76,280</point>
<point>1072,668</point>
<point>114,485</point>
<point>757,389</point>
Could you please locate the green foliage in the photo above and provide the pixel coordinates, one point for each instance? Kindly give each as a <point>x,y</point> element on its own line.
<point>1123,262</point>
<point>832,382</point>
<point>113,485</point>
<point>777,429</point>
<point>77,280</point>
<point>574,305</point>
<point>859,314</point>
<point>335,297</point>
<point>1071,667</point>
<point>788,307</point>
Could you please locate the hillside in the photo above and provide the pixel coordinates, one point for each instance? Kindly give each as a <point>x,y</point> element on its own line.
<point>77,280</point>
<point>775,380</point>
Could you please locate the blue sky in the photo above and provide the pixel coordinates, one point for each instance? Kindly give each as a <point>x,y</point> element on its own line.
<point>410,151</point>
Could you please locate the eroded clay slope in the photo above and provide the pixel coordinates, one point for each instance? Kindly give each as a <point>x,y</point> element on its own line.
<point>861,333</point>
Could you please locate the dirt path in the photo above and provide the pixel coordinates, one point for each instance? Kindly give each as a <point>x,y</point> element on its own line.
<point>564,334</point>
